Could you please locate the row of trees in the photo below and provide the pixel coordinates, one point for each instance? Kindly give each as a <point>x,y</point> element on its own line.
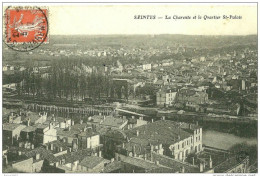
<point>65,79</point>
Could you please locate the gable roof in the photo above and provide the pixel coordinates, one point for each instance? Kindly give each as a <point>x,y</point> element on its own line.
<point>12,126</point>
<point>91,161</point>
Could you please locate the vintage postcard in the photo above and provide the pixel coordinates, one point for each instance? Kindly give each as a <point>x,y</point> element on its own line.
<point>130,88</point>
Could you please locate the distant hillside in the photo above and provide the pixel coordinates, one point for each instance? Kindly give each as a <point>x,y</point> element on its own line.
<point>197,41</point>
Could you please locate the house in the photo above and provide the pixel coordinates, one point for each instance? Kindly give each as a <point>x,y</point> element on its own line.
<point>57,148</point>
<point>147,67</point>
<point>61,122</point>
<point>79,136</point>
<point>88,138</point>
<point>15,118</point>
<point>28,134</point>
<point>108,122</point>
<point>173,139</point>
<point>70,161</point>
<point>11,132</point>
<point>113,167</point>
<point>92,164</point>
<point>233,165</point>
<point>45,133</point>
<point>135,122</point>
<point>33,160</point>
<point>190,96</point>
<point>126,164</point>
<point>165,97</point>
<point>34,118</point>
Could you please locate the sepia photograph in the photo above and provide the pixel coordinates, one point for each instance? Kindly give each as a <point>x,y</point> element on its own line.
<point>129,88</point>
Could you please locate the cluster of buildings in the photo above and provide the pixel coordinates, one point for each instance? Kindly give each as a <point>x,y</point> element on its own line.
<point>165,78</point>
<point>38,142</point>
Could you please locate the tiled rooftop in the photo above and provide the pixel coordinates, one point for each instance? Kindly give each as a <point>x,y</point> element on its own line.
<point>91,161</point>
<point>11,126</point>
<point>163,131</point>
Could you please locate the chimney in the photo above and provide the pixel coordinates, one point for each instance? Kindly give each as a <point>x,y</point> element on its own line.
<point>123,145</point>
<point>137,132</point>
<point>152,148</point>
<point>81,121</point>
<point>210,162</point>
<point>37,156</point>
<point>152,120</point>
<point>112,160</point>
<point>182,169</point>
<point>32,146</point>
<point>28,122</point>
<point>70,149</point>
<point>69,128</point>
<point>72,122</point>
<point>163,117</point>
<point>192,160</point>
<point>189,126</point>
<point>47,147</point>
<point>179,137</point>
<point>133,151</point>
<point>201,167</point>
<point>157,162</point>
<point>100,153</point>
<point>104,117</point>
<point>60,149</point>
<point>51,146</point>
<point>133,117</point>
<point>145,156</point>
<point>100,114</point>
<point>50,125</point>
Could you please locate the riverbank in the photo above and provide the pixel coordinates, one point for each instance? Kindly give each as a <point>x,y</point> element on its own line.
<point>223,140</point>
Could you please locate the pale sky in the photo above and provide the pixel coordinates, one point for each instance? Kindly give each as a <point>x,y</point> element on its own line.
<point>119,19</point>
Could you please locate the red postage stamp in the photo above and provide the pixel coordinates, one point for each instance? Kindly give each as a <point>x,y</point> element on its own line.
<point>27,26</point>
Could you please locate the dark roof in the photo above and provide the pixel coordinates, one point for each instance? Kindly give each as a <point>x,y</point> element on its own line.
<point>145,164</point>
<point>176,165</point>
<point>227,165</point>
<point>75,156</point>
<point>41,126</point>
<point>33,117</point>
<point>44,154</point>
<point>163,131</point>
<point>91,161</point>
<point>112,167</point>
<point>75,129</point>
<point>11,126</point>
<point>58,144</point>
<point>116,134</point>
<point>29,129</point>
